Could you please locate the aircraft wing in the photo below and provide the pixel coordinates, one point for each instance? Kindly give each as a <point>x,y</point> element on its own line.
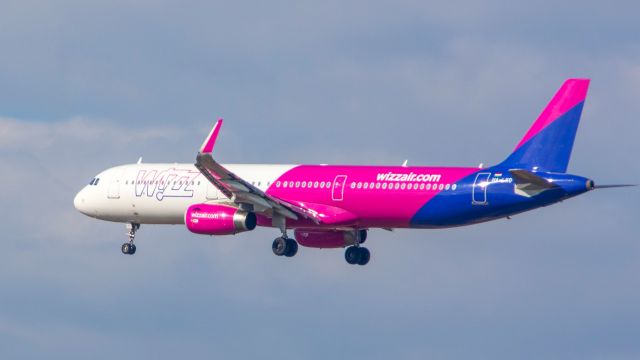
<point>242,192</point>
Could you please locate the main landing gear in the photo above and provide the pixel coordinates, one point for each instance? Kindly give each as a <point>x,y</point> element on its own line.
<point>129,248</point>
<point>356,254</point>
<point>284,246</point>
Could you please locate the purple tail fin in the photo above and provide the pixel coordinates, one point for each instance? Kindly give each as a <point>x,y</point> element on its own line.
<point>548,143</point>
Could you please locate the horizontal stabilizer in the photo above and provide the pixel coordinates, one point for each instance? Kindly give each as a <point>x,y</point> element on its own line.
<point>529,184</point>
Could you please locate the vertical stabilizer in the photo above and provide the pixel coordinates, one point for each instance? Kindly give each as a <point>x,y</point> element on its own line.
<point>548,143</point>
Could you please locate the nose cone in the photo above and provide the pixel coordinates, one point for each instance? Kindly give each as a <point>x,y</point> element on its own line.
<point>81,204</point>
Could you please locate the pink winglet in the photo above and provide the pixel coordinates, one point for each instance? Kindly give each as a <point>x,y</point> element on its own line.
<point>572,92</point>
<point>208,144</point>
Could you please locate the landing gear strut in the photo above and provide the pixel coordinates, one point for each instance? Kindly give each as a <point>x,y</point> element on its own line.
<point>356,254</point>
<point>129,248</point>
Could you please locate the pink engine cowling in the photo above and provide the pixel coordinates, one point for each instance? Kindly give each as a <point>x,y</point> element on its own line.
<point>210,219</point>
<point>325,239</point>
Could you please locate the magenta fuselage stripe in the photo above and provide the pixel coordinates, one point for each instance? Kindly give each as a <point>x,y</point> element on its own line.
<point>346,193</point>
<point>572,93</point>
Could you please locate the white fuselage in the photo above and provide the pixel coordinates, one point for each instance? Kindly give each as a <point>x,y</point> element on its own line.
<point>160,193</point>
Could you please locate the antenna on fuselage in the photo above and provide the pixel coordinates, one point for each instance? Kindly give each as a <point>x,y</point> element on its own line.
<point>139,160</point>
<point>404,164</point>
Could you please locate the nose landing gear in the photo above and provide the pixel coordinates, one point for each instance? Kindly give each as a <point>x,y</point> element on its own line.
<point>129,248</point>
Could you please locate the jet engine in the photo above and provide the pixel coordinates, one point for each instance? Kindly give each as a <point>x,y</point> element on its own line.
<point>209,219</point>
<point>325,239</point>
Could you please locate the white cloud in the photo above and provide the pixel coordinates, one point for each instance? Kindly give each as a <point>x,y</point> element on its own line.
<point>34,136</point>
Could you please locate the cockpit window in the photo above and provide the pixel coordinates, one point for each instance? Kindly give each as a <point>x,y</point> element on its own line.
<point>92,181</point>
<point>96,182</point>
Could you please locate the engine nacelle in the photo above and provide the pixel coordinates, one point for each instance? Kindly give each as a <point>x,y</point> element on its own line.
<point>211,219</point>
<point>326,239</point>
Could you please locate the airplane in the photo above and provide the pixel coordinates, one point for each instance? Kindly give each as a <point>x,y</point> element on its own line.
<point>334,206</point>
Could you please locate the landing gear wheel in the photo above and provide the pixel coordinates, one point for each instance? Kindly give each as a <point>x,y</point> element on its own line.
<point>357,255</point>
<point>365,255</point>
<point>351,255</point>
<point>126,248</point>
<point>132,249</point>
<point>284,247</point>
<point>279,246</point>
<point>362,235</point>
<point>292,248</point>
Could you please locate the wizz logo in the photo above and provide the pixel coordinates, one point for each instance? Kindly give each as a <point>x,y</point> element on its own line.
<point>165,183</point>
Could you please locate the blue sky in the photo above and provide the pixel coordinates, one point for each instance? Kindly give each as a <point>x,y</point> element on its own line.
<point>85,86</point>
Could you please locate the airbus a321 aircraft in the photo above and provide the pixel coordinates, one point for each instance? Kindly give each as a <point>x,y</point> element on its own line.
<point>331,206</point>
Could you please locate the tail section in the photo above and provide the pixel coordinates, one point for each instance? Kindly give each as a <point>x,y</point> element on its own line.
<point>548,143</point>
